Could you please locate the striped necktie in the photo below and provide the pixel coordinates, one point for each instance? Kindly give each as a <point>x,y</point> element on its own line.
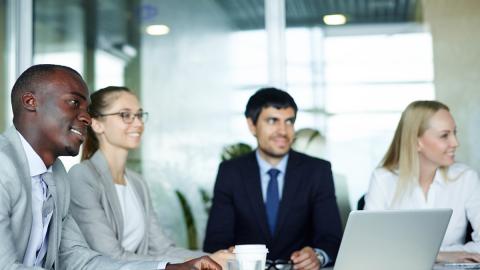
<point>47,212</point>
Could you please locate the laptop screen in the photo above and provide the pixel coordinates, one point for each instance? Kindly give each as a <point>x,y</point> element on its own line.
<point>392,239</point>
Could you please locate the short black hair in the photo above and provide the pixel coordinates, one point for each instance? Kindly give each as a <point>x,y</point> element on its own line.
<point>268,97</point>
<point>30,79</point>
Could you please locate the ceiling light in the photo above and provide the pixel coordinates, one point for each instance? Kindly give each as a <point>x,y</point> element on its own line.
<point>157,30</point>
<point>334,19</point>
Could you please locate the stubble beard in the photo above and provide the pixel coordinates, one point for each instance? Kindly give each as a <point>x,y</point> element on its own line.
<point>71,152</point>
<point>272,154</point>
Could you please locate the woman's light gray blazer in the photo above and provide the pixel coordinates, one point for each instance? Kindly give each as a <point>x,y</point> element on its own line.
<point>96,208</point>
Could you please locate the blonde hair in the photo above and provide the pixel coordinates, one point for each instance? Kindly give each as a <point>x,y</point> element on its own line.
<point>402,155</point>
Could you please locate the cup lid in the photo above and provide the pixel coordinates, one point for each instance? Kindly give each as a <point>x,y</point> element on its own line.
<point>250,248</point>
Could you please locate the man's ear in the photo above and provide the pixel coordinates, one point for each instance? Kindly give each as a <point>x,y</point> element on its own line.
<point>29,101</point>
<point>251,126</point>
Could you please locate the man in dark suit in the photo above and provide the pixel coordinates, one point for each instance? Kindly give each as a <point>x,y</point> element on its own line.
<point>274,195</point>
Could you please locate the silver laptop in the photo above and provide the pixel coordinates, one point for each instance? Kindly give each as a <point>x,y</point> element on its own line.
<point>392,240</point>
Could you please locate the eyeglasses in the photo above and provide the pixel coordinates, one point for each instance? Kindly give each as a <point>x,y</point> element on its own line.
<point>129,117</point>
<point>278,265</point>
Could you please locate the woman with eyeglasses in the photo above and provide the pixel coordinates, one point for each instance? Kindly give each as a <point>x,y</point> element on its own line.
<point>419,171</point>
<point>111,203</point>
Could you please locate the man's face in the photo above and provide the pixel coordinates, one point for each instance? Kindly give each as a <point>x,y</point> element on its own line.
<point>274,131</point>
<point>62,113</point>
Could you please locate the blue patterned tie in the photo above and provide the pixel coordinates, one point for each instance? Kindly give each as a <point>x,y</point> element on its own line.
<point>47,212</point>
<point>273,199</point>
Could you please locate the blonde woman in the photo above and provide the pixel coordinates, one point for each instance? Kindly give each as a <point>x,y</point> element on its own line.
<point>111,203</point>
<point>419,171</point>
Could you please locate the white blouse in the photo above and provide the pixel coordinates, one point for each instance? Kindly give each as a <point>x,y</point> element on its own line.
<point>461,192</point>
<point>133,217</point>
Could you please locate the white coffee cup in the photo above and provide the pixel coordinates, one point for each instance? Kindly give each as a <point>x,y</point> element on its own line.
<point>250,256</point>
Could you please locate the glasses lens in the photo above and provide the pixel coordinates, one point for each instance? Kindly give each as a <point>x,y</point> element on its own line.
<point>127,117</point>
<point>278,265</point>
<point>143,116</point>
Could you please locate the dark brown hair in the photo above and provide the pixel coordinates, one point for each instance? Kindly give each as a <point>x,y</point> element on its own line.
<point>268,97</point>
<point>99,101</point>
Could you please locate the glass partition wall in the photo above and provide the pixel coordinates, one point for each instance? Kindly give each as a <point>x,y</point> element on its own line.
<point>15,49</point>
<point>195,63</point>
<point>193,67</point>
<point>99,39</point>
<point>4,105</point>
<point>196,79</point>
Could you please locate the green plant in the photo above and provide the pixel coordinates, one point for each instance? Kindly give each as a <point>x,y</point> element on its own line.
<point>235,150</point>
<point>189,220</point>
<point>228,152</point>
<point>206,199</point>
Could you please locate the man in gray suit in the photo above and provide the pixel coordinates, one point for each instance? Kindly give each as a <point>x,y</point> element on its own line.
<point>49,105</point>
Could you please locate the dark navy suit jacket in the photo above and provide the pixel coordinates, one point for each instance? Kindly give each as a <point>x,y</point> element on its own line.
<point>308,213</point>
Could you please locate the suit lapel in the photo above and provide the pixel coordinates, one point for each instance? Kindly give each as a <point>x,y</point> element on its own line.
<point>251,178</point>
<point>290,189</point>
<point>18,155</point>
<point>24,175</point>
<point>99,164</point>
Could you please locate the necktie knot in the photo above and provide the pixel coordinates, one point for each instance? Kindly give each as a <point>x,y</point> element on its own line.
<point>273,173</point>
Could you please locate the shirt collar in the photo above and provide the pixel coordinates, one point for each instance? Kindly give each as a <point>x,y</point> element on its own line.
<point>265,166</point>
<point>439,177</point>
<point>35,163</point>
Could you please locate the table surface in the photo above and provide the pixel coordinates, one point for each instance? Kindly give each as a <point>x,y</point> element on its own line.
<point>442,267</point>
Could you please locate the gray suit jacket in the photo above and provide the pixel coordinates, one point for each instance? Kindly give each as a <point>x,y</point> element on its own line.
<point>67,248</point>
<point>96,208</point>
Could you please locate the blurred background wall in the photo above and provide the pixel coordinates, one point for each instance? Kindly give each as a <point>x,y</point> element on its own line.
<point>454,27</point>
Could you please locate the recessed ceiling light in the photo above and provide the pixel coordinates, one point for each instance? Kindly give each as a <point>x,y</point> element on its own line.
<point>157,29</point>
<point>334,19</point>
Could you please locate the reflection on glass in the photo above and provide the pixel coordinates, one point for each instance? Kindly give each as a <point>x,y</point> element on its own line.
<point>110,70</point>
<point>3,65</point>
<point>59,33</point>
<point>59,38</point>
<point>367,87</point>
<point>195,83</point>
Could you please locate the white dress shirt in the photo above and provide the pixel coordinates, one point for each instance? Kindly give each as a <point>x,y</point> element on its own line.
<point>37,243</point>
<point>460,192</point>
<point>133,219</point>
